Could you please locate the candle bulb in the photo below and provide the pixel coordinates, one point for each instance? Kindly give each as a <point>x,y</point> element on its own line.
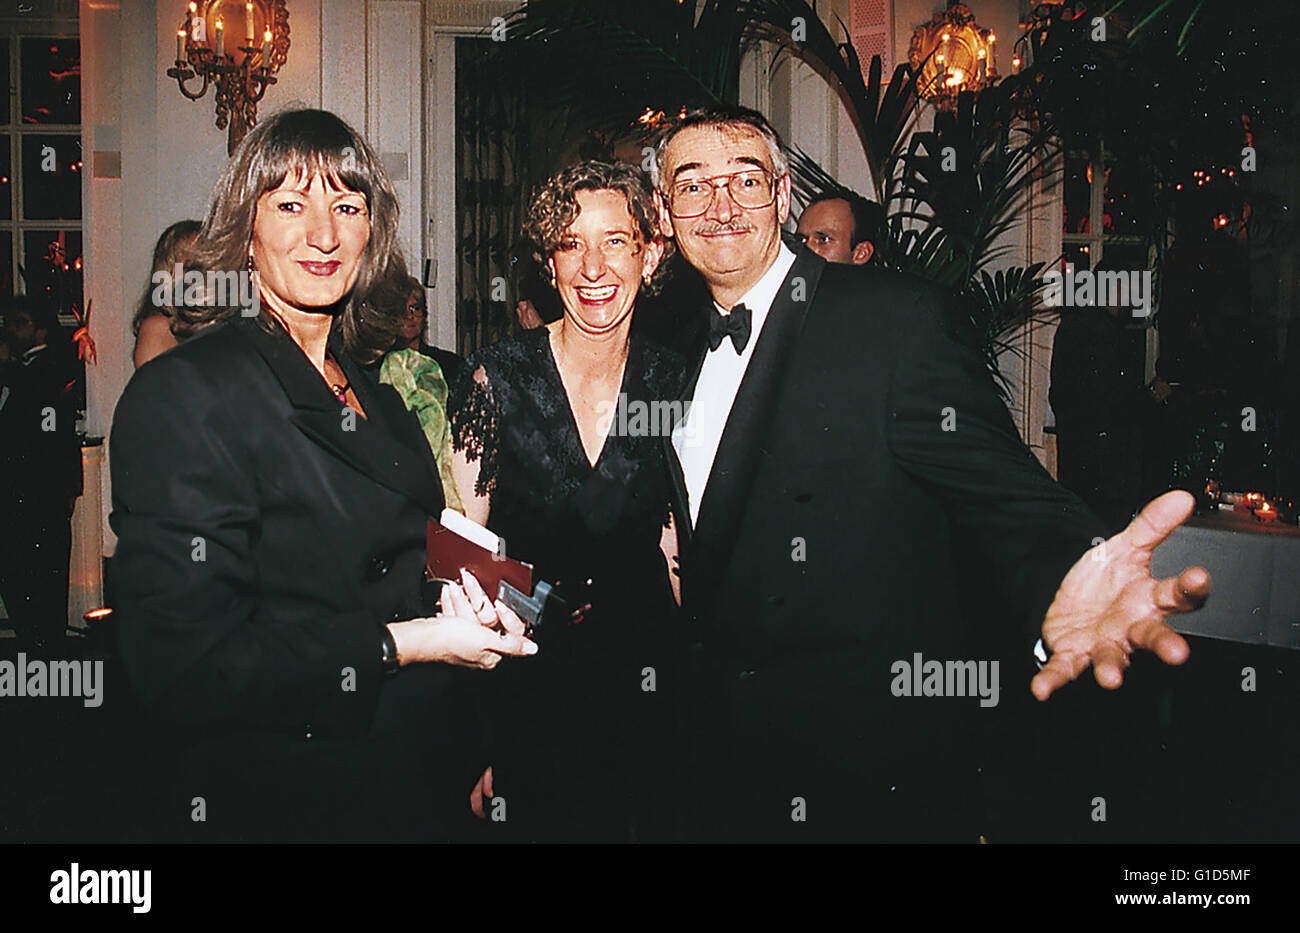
<point>180,45</point>
<point>266,49</point>
<point>248,23</point>
<point>220,43</point>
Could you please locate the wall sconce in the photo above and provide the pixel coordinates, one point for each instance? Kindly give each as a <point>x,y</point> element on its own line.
<point>952,54</point>
<point>237,46</point>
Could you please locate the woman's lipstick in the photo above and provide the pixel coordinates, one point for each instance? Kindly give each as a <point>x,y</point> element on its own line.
<point>321,268</point>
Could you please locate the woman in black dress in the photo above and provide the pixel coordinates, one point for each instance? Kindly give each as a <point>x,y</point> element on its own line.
<point>559,451</point>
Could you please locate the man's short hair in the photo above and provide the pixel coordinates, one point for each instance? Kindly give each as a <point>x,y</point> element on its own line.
<point>721,115</point>
<point>868,218</point>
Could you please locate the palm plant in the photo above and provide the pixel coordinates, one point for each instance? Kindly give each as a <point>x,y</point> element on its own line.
<point>949,193</point>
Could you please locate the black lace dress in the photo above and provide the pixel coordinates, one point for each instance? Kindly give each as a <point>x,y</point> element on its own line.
<point>578,731</point>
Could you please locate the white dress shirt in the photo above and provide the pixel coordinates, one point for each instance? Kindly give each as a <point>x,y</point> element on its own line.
<point>697,436</point>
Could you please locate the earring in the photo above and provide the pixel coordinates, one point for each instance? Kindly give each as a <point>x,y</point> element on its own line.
<point>250,263</point>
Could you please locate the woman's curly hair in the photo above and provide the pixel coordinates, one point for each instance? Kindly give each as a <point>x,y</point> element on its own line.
<point>555,207</point>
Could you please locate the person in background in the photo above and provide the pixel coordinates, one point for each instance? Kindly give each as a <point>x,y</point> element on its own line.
<point>40,474</point>
<point>152,324</point>
<point>1098,398</point>
<point>538,305</point>
<point>412,337</point>
<point>841,226</point>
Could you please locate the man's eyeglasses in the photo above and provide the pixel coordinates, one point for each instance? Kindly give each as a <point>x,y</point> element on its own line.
<point>751,189</point>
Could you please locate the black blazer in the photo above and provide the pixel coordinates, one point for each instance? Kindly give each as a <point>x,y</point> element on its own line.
<point>262,539</point>
<point>823,553</point>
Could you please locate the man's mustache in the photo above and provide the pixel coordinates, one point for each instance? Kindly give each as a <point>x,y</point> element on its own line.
<point>710,229</point>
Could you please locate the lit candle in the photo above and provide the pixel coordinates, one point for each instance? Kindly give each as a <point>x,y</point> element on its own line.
<point>1266,513</point>
<point>248,23</point>
<point>180,45</point>
<point>221,46</point>
<point>266,49</point>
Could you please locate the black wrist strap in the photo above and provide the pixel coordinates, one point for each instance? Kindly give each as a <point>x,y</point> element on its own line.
<point>388,651</point>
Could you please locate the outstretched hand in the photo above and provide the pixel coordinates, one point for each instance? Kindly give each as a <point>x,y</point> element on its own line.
<point>1109,604</point>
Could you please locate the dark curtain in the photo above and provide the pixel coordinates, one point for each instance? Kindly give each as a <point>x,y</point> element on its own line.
<point>491,192</point>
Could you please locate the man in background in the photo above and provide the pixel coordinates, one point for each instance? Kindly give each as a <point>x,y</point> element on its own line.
<point>40,475</point>
<point>841,226</point>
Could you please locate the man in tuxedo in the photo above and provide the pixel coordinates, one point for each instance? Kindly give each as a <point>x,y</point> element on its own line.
<point>827,462</point>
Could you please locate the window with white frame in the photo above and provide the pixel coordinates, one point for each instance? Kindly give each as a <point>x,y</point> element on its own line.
<point>41,167</point>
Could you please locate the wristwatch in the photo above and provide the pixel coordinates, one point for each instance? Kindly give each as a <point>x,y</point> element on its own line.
<point>388,651</point>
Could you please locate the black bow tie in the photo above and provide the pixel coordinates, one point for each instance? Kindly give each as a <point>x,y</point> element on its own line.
<point>735,325</point>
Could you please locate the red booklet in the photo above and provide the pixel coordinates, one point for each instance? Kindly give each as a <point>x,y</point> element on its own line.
<point>456,543</point>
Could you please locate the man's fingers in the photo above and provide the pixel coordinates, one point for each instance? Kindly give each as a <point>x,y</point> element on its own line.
<point>1158,518</point>
<point>1108,663</point>
<point>1161,640</point>
<point>1060,669</point>
<point>1185,592</point>
<point>476,800</point>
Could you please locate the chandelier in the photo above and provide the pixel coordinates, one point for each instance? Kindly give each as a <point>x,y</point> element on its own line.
<point>237,47</point>
<point>952,54</point>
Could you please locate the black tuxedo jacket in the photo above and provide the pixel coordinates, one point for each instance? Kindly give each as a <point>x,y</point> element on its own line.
<point>262,539</point>
<point>865,438</point>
